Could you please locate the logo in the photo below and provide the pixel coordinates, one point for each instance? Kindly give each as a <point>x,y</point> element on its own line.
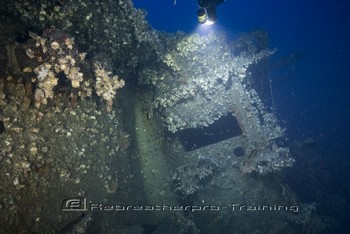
<point>74,204</point>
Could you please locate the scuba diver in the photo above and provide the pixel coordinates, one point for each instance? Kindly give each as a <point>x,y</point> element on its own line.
<point>207,12</point>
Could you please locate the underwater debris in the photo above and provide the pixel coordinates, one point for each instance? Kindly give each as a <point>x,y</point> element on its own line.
<point>55,54</point>
<point>201,71</point>
<point>204,71</point>
<point>50,60</point>
<point>106,85</point>
<point>59,150</point>
<point>188,179</point>
<point>57,146</point>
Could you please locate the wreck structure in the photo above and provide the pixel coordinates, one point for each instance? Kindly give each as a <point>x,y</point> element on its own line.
<point>202,82</point>
<point>97,105</point>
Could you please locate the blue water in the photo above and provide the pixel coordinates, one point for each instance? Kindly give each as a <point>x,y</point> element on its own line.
<point>314,102</point>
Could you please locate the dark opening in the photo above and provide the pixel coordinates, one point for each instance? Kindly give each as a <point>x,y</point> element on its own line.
<point>239,151</point>
<point>2,127</point>
<point>224,128</point>
<point>64,84</point>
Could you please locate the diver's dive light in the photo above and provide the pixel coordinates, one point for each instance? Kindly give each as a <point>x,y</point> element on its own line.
<point>207,15</point>
<point>207,12</point>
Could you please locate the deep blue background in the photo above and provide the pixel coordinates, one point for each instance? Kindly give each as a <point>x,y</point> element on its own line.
<point>315,102</point>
